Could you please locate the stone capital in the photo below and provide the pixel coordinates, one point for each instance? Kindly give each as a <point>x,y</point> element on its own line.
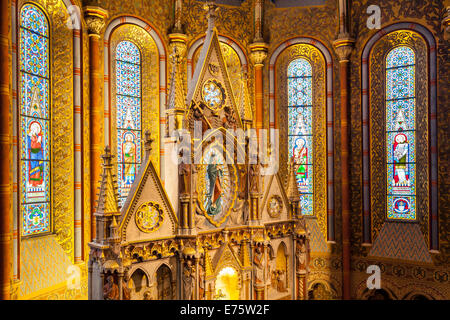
<point>343,46</point>
<point>258,53</point>
<point>95,19</point>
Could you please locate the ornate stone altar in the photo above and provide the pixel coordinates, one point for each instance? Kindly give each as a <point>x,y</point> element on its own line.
<point>223,230</point>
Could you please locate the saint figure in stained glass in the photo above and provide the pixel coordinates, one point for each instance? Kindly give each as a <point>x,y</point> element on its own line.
<point>400,148</point>
<point>36,156</point>
<point>129,156</point>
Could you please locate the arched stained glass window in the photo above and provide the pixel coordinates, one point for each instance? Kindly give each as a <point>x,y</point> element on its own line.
<point>34,121</point>
<point>400,133</point>
<point>300,132</point>
<point>129,97</point>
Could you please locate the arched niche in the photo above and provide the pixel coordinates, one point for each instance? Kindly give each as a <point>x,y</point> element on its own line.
<point>164,286</point>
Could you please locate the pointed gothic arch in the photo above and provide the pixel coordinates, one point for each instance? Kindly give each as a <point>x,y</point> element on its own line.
<point>422,43</point>
<point>319,56</point>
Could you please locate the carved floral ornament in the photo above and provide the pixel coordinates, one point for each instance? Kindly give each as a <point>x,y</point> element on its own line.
<point>274,206</point>
<point>149,217</point>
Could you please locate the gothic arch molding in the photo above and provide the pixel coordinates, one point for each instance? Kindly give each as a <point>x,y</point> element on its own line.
<point>329,144</point>
<point>432,127</point>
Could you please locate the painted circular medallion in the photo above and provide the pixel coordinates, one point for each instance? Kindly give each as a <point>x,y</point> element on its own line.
<point>274,206</point>
<point>149,217</point>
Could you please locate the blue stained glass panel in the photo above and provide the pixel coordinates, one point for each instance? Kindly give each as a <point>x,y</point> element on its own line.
<point>34,134</point>
<point>403,207</point>
<point>299,91</point>
<point>129,140</point>
<point>307,204</point>
<point>34,58</point>
<point>300,147</point>
<point>400,83</point>
<point>401,115</point>
<point>34,96</point>
<point>400,56</point>
<point>300,121</point>
<point>36,187</point>
<point>128,52</point>
<point>299,68</point>
<point>401,172</point>
<point>128,112</point>
<point>34,121</point>
<point>32,18</point>
<point>128,79</point>
<point>35,218</point>
<point>402,146</point>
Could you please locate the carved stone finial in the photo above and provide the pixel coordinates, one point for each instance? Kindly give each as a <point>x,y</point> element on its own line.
<point>211,8</point>
<point>95,19</point>
<point>107,157</point>
<point>148,142</point>
<point>292,187</point>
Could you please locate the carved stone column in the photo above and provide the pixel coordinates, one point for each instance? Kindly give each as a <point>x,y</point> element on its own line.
<point>301,266</point>
<point>343,46</point>
<point>185,199</point>
<point>5,156</point>
<point>258,53</point>
<point>196,294</point>
<point>120,285</point>
<point>259,287</point>
<point>95,19</point>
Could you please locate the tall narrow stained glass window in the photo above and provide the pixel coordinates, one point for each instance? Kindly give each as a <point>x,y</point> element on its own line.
<point>34,121</point>
<point>400,134</point>
<point>129,120</point>
<point>300,133</point>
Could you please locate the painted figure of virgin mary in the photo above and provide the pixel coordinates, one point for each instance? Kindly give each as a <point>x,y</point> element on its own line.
<point>214,196</point>
<point>36,156</point>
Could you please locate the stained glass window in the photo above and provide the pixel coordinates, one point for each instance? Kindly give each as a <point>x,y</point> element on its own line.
<point>400,134</point>
<point>128,102</point>
<point>300,133</point>
<point>34,121</point>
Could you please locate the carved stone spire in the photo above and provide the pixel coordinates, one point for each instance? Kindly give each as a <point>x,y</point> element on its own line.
<point>107,200</point>
<point>244,254</point>
<point>107,204</point>
<point>176,100</point>
<point>211,15</point>
<point>148,140</point>
<point>209,270</point>
<point>292,187</point>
